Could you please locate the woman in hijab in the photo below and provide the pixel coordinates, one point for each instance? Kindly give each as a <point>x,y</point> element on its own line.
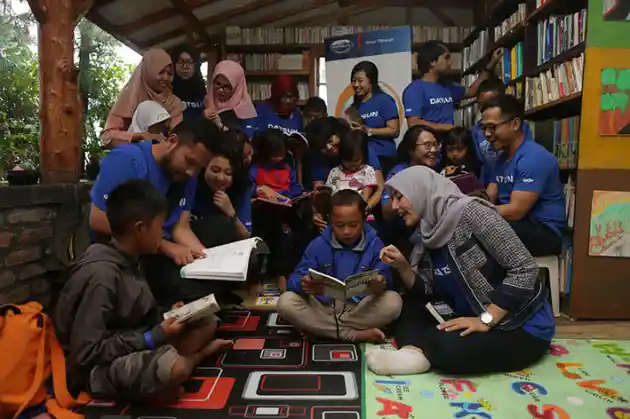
<point>280,111</point>
<point>151,80</point>
<point>188,82</point>
<point>150,117</point>
<point>477,274</point>
<point>228,103</point>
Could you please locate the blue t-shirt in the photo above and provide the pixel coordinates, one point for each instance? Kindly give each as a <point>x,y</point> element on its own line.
<point>193,110</point>
<point>446,283</point>
<point>376,111</point>
<point>268,118</point>
<point>540,325</point>
<point>321,165</point>
<point>533,169</point>
<point>386,197</point>
<point>485,153</point>
<point>432,102</point>
<point>136,161</point>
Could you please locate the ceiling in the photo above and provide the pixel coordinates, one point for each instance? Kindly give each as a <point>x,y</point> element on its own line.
<point>142,24</point>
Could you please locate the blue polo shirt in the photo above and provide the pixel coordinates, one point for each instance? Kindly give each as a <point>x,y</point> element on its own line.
<point>321,165</point>
<point>268,118</point>
<point>533,169</point>
<point>136,161</point>
<point>386,197</point>
<point>432,102</point>
<point>376,112</point>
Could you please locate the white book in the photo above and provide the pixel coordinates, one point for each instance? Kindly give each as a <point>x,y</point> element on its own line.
<point>354,285</point>
<point>225,263</point>
<point>199,309</point>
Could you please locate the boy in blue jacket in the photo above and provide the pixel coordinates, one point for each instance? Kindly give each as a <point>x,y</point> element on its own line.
<point>347,246</point>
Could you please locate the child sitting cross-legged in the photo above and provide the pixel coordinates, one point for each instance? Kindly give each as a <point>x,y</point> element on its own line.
<point>116,342</point>
<point>348,246</point>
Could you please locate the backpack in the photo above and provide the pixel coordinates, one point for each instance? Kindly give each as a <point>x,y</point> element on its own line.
<point>30,355</point>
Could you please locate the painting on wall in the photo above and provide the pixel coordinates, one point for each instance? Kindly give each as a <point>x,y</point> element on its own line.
<point>614,114</point>
<point>617,10</point>
<point>610,224</point>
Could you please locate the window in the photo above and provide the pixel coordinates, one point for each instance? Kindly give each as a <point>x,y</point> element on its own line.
<point>322,89</point>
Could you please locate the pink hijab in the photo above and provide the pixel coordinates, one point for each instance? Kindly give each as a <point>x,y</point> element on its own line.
<point>240,102</point>
<point>142,87</point>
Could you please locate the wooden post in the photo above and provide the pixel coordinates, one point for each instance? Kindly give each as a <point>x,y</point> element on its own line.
<point>60,106</point>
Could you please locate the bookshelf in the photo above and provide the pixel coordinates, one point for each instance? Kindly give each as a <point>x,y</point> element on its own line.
<point>267,52</point>
<point>543,65</point>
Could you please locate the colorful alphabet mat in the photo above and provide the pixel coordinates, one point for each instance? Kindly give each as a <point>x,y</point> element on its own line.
<point>580,379</point>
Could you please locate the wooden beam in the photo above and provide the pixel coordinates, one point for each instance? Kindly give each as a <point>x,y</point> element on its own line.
<point>38,11</point>
<point>442,17</point>
<point>455,4</point>
<point>308,6</point>
<point>218,19</point>
<point>328,17</point>
<point>192,20</point>
<point>60,106</point>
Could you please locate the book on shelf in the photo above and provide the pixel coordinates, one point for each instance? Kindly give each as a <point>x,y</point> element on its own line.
<point>271,62</point>
<point>235,35</point>
<point>475,51</point>
<point>196,310</point>
<point>225,263</point>
<point>511,22</point>
<point>511,64</point>
<point>560,137</point>
<point>564,79</point>
<point>262,91</point>
<point>515,89</point>
<point>569,200</point>
<point>558,34</point>
<point>354,286</point>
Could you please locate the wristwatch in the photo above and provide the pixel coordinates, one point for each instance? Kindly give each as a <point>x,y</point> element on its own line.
<point>487,319</point>
<point>369,132</point>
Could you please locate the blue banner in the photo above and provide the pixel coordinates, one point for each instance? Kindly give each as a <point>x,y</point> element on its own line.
<point>365,44</point>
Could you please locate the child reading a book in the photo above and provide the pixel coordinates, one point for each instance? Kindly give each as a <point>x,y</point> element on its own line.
<point>460,154</point>
<point>348,246</point>
<point>114,336</point>
<point>354,172</point>
<point>275,180</point>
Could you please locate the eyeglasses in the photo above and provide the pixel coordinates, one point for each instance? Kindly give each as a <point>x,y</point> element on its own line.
<point>185,63</point>
<point>489,129</point>
<point>223,87</point>
<point>429,145</point>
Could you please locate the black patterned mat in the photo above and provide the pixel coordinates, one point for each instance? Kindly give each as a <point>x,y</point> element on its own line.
<point>271,372</point>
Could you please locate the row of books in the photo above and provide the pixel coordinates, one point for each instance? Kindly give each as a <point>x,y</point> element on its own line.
<point>558,34</point>
<point>262,91</point>
<point>511,65</point>
<point>271,62</point>
<point>477,49</point>
<point>467,116</point>
<point>561,138</point>
<point>508,24</point>
<point>563,80</point>
<point>236,35</point>
<point>516,89</point>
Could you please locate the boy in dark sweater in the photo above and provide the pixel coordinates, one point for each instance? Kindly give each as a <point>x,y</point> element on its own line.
<point>116,343</point>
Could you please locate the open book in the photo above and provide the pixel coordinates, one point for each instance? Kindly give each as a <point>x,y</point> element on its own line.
<point>225,263</point>
<point>199,309</point>
<point>354,285</point>
<point>282,203</point>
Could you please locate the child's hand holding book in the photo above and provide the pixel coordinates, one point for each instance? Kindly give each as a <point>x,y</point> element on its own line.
<point>311,287</point>
<point>378,285</point>
<point>172,327</point>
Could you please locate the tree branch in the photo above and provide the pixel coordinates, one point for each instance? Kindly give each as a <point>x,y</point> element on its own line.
<point>39,11</point>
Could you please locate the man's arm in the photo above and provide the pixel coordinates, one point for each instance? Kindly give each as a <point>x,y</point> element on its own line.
<point>183,234</point>
<point>486,73</point>
<point>521,202</point>
<point>493,192</point>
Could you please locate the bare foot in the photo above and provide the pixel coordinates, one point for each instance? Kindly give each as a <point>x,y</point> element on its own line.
<point>217,345</point>
<point>369,335</point>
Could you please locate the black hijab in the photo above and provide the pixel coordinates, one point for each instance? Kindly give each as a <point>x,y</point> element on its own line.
<point>193,89</point>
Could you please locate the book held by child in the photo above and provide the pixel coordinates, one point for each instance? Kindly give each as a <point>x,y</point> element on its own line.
<point>354,286</point>
<point>225,263</point>
<point>197,310</point>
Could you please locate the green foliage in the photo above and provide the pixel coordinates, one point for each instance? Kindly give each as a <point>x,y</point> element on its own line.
<point>102,74</point>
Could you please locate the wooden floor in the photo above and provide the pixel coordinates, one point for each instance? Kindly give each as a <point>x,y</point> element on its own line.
<point>566,328</point>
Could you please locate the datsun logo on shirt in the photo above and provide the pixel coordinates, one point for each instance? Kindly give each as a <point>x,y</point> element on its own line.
<point>440,100</point>
<point>285,131</point>
<point>505,179</point>
<point>341,46</point>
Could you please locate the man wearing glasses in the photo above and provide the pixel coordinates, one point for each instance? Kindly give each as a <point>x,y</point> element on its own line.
<point>525,183</point>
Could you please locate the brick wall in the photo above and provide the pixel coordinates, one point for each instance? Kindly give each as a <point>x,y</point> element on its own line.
<point>42,228</point>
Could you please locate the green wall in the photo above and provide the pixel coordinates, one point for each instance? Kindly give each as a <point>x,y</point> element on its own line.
<point>606,34</point>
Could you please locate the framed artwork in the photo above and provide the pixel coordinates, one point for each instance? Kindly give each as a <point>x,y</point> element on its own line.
<point>616,10</point>
<point>610,224</point>
<point>614,113</point>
